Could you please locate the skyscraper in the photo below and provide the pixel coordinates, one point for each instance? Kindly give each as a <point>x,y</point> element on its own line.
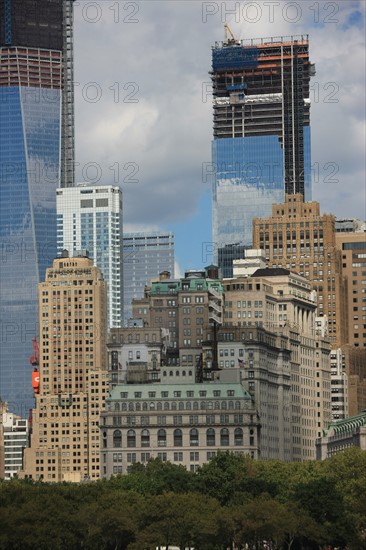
<point>261,146</point>
<point>36,150</point>
<point>89,217</point>
<point>73,376</point>
<point>145,256</point>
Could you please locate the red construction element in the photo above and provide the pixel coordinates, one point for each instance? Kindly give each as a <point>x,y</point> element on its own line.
<point>34,361</point>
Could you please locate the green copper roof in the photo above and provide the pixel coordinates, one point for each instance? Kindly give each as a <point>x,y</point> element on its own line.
<point>347,425</point>
<point>180,285</point>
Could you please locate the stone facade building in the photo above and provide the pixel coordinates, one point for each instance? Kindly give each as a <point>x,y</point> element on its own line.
<point>297,237</point>
<point>65,440</point>
<point>184,424</point>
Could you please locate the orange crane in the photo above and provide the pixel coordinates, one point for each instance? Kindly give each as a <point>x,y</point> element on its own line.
<point>34,361</point>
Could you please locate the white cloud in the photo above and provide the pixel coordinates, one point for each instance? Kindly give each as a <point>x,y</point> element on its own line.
<point>168,133</point>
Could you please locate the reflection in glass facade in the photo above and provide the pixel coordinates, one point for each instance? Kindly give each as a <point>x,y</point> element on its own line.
<point>249,178</point>
<point>261,147</point>
<point>29,163</point>
<point>36,152</point>
<point>145,256</point>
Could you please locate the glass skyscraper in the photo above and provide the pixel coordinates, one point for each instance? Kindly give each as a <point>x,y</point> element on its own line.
<point>89,217</point>
<point>36,147</point>
<point>145,256</point>
<point>261,146</point>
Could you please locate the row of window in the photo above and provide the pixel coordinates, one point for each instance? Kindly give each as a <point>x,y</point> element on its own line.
<point>224,438</point>
<point>203,405</point>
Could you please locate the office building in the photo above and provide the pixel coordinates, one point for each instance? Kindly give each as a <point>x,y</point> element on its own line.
<point>90,218</point>
<point>36,144</point>
<point>352,246</point>
<point>189,308</point>
<point>185,424</point>
<point>299,238</point>
<point>341,435</point>
<point>145,256</point>
<point>226,256</point>
<point>15,440</point>
<point>73,375</point>
<point>288,373</point>
<point>261,115</point>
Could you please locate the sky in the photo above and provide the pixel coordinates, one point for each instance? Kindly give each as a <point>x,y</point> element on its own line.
<point>144,109</point>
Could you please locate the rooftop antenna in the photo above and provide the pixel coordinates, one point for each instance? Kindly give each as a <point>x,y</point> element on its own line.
<point>228,40</point>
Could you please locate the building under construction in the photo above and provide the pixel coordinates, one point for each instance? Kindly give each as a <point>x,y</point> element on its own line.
<point>261,114</point>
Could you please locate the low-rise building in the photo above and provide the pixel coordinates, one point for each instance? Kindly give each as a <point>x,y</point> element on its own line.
<point>340,435</point>
<point>181,423</point>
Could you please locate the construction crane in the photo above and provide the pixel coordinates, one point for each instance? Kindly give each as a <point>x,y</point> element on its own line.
<point>232,40</point>
<point>34,361</point>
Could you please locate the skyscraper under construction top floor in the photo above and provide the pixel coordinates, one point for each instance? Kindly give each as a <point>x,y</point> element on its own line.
<point>36,156</point>
<point>261,115</point>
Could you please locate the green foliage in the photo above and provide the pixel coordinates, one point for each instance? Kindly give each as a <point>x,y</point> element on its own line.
<point>230,499</point>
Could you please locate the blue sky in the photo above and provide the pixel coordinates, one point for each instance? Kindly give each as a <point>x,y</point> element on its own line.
<point>142,105</point>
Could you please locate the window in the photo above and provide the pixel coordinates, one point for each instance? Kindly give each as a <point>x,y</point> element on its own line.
<point>224,437</point>
<point>161,438</point>
<point>210,437</point>
<point>145,438</point>
<point>193,437</point>
<point>178,438</point>
<point>194,456</point>
<point>117,438</point>
<point>238,436</point>
<point>131,438</point>
<point>178,457</point>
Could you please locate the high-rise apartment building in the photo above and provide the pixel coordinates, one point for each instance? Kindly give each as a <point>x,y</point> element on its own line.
<point>261,146</point>
<point>73,375</point>
<point>145,256</point>
<point>90,218</point>
<point>36,152</point>
<point>299,238</point>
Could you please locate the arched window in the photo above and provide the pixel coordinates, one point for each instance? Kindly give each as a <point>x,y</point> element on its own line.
<point>130,407</point>
<point>124,406</point>
<point>210,437</point>
<point>178,438</point>
<point>224,437</point>
<point>117,407</point>
<point>174,406</point>
<point>193,437</point>
<point>237,405</point>
<point>145,438</point>
<point>144,406</point>
<point>131,438</point>
<point>238,436</point>
<point>224,405</point>
<point>231,405</point>
<point>161,438</point>
<point>138,406</point>
<point>152,406</point>
<point>203,405</point>
<point>188,406</point>
<point>181,406</point>
<point>195,406</point>
<point>159,406</point>
<point>166,406</point>
<point>217,405</point>
<point>117,438</point>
